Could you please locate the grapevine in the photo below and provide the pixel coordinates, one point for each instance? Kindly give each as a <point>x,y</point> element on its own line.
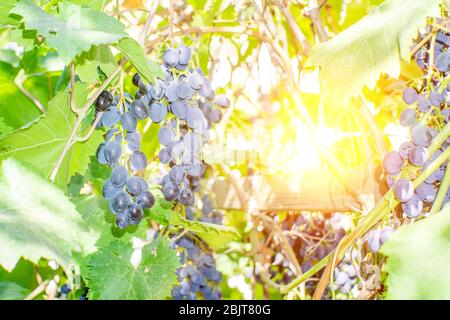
<point>224,150</point>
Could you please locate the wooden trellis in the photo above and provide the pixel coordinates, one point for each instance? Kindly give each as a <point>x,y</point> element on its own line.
<point>310,191</point>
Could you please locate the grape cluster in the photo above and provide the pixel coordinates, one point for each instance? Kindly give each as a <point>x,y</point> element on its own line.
<point>345,275</point>
<point>184,103</point>
<point>375,238</point>
<point>427,114</point>
<point>198,276</point>
<point>127,192</point>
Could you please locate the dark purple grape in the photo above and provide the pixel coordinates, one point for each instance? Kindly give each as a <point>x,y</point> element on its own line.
<point>413,207</point>
<point>223,101</point>
<point>101,154</point>
<point>170,191</point>
<point>176,174</point>
<point>129,122</point>
<point>134,186</point>
<point>403,190</point>
<point>122,220</point>
<point>409,95</point>
<point>138,160</point>
<point>135,213</point>
<point>418,156</point>
<point>145,199</point>
<point>186,197</point>
<point>443,61</point>
<point>421,135</point>
<point>158,90</point>
<point>138,109</point>
<point>165,136</point>
<point>171,91</point>
<point>215,115</point>
<point>195,80</point>
<point>436,98</point>
<point>120,201</point>
<point>112,151</point>
<point>164,156</point>
<point>183,90</point>
<point>103,101</point>
<point>135,79</point>
<point>110,117</point>
<point>171,57</point>
<point>158,112</point>
<point>134,141</point>
<point>119,176</point>
<point>184,53</point>
<point>423,104</point>
<point>109,190</point>
<point>426,192</point>
<point>407,117</point>
<point>194,118</point>
<point>405,148</point>
<point>179,109</point>
<point>392,162</point>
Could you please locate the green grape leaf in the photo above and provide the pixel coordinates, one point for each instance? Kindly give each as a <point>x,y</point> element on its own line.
<point>38,220</point>
<point>5,9</point>
<point>110,274</point>
<point>12,291</point>
<point>4,128</point>
<point>216,236</point>
<point>16,109</point>
<point>94,4</point>
<point>99,56</point>
<point>41,143</point>
<point>418,259</point>
<point>73,30</point>
<point>95,212</point>
<point>374,45</point>
<point>148,69</point>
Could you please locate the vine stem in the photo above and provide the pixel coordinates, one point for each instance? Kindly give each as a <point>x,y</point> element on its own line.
<point>81,113</point>
<point>373,217</point>
<point>301,38</point>
<point>19,83</point>
<point>437,204</point>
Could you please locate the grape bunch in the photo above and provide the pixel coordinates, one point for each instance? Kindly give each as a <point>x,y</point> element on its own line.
<point>183,104</point>
<point>375,238</point>
<point>427,114</point>
<point>127,192</point>
<point>345,274</point>
<point>198,276</point>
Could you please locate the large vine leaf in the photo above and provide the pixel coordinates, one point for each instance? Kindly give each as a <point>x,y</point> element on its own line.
<point>73,30</point>
<point>216,236</point>
<point>110,274</point>
<point>16,109</point>
<point>38,220</point>
<point>94,4</point>
<point>148,69</point>
<point>96,214</point>
<point>42,142</point>
<point>374,45</point>
<point>99,56</point>
<point>12,291</point>
<point>419,259</point>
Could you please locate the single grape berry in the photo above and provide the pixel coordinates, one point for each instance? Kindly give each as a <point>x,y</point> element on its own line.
<point>145,199</point>
<point>403,190</point>
<point>135,79</point>
<point>135,213</point>
<point>103,101</point>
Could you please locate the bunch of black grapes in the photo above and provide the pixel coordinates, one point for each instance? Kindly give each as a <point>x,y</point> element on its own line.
<point>198,276</point>
<point>183,102</point>
<point>428,112</point>
<point>126,191</point>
